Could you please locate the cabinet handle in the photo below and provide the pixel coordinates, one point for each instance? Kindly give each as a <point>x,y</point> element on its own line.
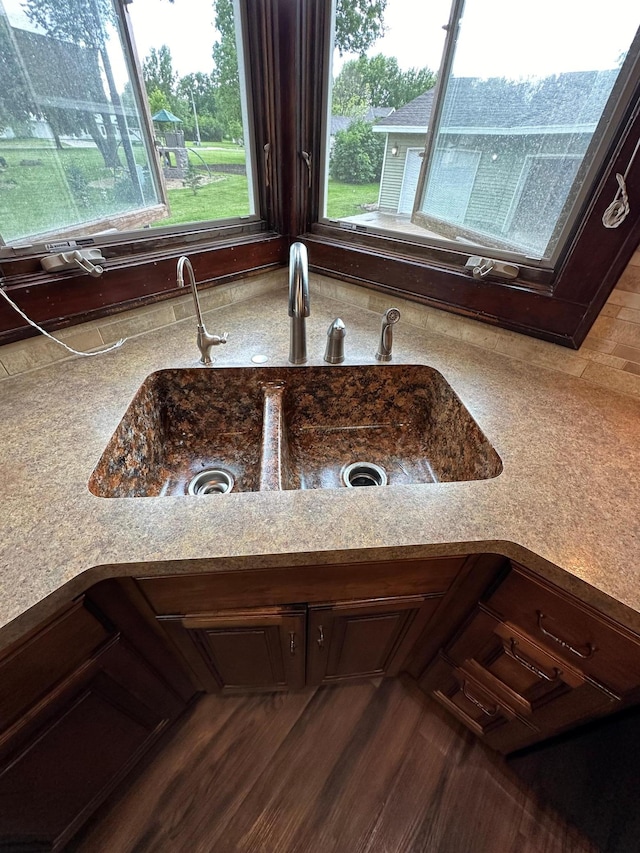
<point>320,640</point>
<point>590,649</point>
<point>292,642</point>
<point>531,667</point>
<point>477,703</point>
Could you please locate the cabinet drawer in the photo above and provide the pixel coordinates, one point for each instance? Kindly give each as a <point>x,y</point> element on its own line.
<point>201,593</point>
<point>477,707</point>
<point>30,668</point>
<point>523,675</point>
<point>588,641</point>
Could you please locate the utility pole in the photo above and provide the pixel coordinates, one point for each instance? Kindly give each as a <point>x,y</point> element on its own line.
<point>195,115</point>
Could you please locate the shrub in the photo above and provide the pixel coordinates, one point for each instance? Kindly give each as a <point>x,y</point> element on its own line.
<point>357,154</point>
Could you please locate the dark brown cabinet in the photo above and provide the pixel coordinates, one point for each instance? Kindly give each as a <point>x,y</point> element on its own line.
<point>79,706</point>
<point>530,661</point>
<point>352,639</point>
<point>301,625</point>
<point>239,650</point>
<point>284,648</point>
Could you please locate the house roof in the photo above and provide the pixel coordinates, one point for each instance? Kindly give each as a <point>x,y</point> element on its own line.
<point>339,123</point>
<point>372,115</point>
<point>414,114</point>
<point>571,101</point>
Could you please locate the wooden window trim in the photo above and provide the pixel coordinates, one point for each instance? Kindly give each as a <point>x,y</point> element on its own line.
<point>559,306</point>
<point>286,48</point>
<point>143,270</point>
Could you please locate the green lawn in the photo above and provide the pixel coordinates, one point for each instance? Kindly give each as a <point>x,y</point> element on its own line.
<point>43,188</point>
<point>347,199</point>
<point>72,185</point>
<point>216,155</point>
<point>227,196</point>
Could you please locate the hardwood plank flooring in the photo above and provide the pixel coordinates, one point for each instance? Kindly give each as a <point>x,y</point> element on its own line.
<point>374,767</point>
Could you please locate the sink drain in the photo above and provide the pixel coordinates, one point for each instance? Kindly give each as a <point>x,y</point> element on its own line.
<point>364,474</point>
<point>212,482</point>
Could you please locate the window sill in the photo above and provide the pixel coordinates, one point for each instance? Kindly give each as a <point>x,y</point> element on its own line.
<point>70,298</point>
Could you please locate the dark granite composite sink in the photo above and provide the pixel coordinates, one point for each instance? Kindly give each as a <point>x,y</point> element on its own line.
<point>275,428</point>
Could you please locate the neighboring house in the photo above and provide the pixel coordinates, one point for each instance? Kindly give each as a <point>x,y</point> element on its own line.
<point>72,103</point>
<point>506,157</point>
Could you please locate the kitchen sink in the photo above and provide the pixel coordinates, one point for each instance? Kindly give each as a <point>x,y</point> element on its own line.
<point>270,428</point>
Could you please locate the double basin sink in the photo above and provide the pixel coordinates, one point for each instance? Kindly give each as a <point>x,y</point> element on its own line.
<point>197,431</point>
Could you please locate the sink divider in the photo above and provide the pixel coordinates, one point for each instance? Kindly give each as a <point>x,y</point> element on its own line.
<point>274,459</point>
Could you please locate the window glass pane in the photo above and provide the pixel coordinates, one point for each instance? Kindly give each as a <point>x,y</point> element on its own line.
<point>191,55</point>
<point>79,152</point>
<point>514,132</point>
<point>72,144</point>
<point>519,117</point>
<point>381,63</point>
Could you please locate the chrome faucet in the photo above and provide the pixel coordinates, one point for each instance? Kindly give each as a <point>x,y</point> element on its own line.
<point>298,302</point>
<point>389,318</point>
<point>205,340</point>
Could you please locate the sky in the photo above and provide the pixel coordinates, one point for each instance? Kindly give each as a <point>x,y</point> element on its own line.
<point>553,35</point>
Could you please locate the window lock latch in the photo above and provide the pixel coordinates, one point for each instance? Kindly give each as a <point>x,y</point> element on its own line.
<point>484,267</point>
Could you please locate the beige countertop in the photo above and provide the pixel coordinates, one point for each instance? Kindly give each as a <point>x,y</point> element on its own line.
<point>567,503</point>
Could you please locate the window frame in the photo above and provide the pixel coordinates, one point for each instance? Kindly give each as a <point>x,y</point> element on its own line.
<point>286,53</point>
<point>141,265</point>
<point>558,305</point>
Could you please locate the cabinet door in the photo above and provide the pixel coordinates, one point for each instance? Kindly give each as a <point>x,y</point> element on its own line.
<point>364,638</point>
<point>240,650</point>
<point>90,735</point>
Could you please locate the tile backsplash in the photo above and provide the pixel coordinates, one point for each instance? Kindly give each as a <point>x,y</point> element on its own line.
<point>609,356</point>
<point>40,351</point>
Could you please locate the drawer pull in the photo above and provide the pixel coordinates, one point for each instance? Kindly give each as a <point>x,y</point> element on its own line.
<point>292,642</point>
<point>531,667</point>
<point>320,640</point>
<point>477,703</point>
<point>590,649</point>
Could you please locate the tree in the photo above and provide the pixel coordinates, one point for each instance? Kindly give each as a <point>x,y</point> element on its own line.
<point>158,73</point>
<point>377,81</point>
<point>84,23</point>
<point>16,103</point>
<point>158,101</point>
<point>202,87</point>
<point>357,154</point>
<point>359,23</point>
<point>225,73</point>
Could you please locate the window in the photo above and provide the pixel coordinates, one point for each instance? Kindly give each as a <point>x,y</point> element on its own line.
<point>86,148</point>
<point>404,234</point>
<point>496,130</point>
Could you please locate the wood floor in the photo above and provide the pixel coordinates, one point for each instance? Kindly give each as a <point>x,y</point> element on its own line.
<point>364,768</point>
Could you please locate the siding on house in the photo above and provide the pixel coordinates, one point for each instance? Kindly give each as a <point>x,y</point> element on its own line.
<point>394,168</point>
<point>497,183</point>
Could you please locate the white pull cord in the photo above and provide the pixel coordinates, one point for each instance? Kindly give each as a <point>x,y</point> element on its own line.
<point>62,344</point>
<point>619,208</point>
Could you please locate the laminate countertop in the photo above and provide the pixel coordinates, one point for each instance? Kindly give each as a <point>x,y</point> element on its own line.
<point>567,503</point>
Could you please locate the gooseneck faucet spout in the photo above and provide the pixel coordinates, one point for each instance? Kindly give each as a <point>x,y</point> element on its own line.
<point>205,341</point>
<point>298,302</point>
